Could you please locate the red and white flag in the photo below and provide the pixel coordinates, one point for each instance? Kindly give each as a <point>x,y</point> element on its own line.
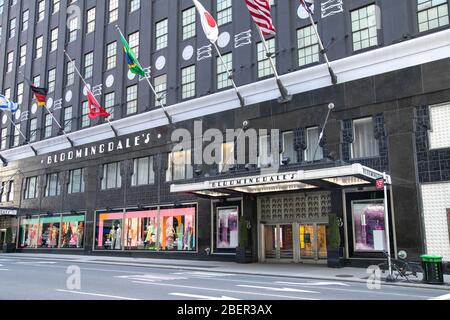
<point>95,109</point>
<point>260,12</point>
<point>209,24</point>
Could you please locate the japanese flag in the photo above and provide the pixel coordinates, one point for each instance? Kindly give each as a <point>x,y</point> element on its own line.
<point>209,24</point>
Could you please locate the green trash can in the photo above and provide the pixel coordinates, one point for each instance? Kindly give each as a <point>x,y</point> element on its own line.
<point>433,270</point>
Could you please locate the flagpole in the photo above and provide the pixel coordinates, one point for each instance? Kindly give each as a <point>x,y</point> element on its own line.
<point>284,93</point>
<point>333,76</point>
<point>114,130</point>
<point>157,96</point>
<point>23,136</point>
<point>230,75</point>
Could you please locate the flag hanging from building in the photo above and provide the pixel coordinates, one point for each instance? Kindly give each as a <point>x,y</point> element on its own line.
<point>6,104</point>
<point>40,94</point>
<point>95,109</point>
<point>209,24</point>
<point>308,6</point>
<point>260,12</point>
<point>133,63</point>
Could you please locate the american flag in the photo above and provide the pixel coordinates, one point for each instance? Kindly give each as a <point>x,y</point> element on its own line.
<point>260,12</point>
<point>307,5</point>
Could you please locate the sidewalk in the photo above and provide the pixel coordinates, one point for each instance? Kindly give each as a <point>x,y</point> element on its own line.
<point>317,272</point>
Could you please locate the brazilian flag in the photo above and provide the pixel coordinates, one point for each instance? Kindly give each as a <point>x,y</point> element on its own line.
<point>133,63</point>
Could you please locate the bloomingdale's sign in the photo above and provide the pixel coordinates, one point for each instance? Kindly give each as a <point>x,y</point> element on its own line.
<point>256,180</point>
<point>102,148</point>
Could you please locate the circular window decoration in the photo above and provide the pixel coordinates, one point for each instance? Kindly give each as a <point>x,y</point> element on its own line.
<point>109,81</point>
<point>188,52</point>
<point>18,114</point>
<point>160,63</point>
<point>131,75</point>
<point>69,96</point>
<point>34,108</point>
<point>4,119</point>
<point>224,39</point>
<point>49,103</point>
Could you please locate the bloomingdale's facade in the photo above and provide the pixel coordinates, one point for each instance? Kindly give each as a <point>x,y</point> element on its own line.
<point>121,195</point>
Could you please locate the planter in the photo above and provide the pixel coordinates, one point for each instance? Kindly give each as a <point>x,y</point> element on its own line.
<point>244,255</point>
<point>9,247</point>
<point>334,258</point>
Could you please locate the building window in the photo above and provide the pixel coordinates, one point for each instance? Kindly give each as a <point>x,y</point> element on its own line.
<point>54,40</point>
<point>4,138</point>
<point>143,173</point>
<point>31,188</point>
<point>264,67</point>
<point>88,64</point>
<point>111,176</point>
<point>41,10</point>
<point>12,28</point>
<point>133,41</point>
<point>109,104</point>
<point>20,93</point>
<point>73,29</point>
<point>37,81</point>
<point>76,181</point>
<point>308,46</point>
<point>10,61</point>
<point>432,14</point>
<point>3,192</point>
<point>23,55</point>
<point>39,44</point>
<point>364,27</point>
<point>179,166</point>
<point>188,82</point>
<point>135,5</point>
<point>85,120</point>
<point>113,11</point>
<point>33,130</point>
<point>289,151</point>
<point>264,152</point>
<point>439,135</point>
<point>48,126</point>
<point>132,96</point>
<point>52,188</point>
<point>448,222</point>
<point>364,145</point>
<point>224,12</point>
<point>25,19</point>
<point>7,191</point>
<point>51,80</point>
<point>90,27</point>
<point>312,145</point>
<point>16,137</point>
<point>72,231</point>
<point>227,228</point>
<point>162,34</point>
<point>111,52</point>
<point>161,88</point>
<point>223,81</point>
<point>55,6</point>
<point>368,226</point>
<point>189,26</point>
<point>70,73</point>
<point>227,157</point>
<point>68,119</point>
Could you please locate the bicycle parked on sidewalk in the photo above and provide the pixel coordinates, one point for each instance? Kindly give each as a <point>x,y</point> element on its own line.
<point>402,268</point>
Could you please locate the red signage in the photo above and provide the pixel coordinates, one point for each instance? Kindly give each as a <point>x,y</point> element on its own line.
<point>379,184</point>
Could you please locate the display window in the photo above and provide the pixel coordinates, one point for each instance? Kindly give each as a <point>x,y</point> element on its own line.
<point>141,230</point>
<point>177,229</point>
<point>28,233</point>
<point>369,226</point>
<point>49,228</point>
<point>227,228</point>
<point>109,232</point>
<point>72,231</point>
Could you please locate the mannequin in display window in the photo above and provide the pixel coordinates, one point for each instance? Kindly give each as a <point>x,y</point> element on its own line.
<point>118,238</point>
<point>112,237</point>
<point>80,233</point>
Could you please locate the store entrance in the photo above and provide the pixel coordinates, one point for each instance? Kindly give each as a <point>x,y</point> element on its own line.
<point>294,242</point>
<point>2,238</point>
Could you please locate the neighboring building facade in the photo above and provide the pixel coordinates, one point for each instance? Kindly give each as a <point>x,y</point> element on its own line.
<point>134,195</point>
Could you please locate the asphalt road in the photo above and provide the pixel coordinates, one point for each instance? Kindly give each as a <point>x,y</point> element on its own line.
<point>46,279</point>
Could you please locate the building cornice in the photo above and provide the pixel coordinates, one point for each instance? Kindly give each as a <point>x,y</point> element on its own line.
<point>402,55</point>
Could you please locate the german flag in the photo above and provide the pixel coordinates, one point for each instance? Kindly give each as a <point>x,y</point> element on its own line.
<point>40,95</point>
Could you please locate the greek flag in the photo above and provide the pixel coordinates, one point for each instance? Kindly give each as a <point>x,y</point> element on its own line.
<point>6,104</point>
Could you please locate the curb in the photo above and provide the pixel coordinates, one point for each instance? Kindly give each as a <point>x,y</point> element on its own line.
<point>445,287</point>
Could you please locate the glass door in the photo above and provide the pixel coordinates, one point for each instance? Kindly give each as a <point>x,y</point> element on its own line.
<point>313,241</point>
<point>278,242</point>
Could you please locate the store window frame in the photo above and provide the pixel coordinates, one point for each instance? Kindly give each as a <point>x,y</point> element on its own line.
<point>215,233</point>
<point>448,223</point>
<point>195,205</point>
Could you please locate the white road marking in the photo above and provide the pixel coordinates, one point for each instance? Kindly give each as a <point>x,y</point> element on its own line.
<point>37,262</point>
<point>225,290</point>
<point>151,277</point>
<point>318,284</point>
<point>276,289</point>
<point>198,274</point>
<point>201,297</point>
<point>4,269</point>
<point>96,294</point>
<point>444,297</point>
